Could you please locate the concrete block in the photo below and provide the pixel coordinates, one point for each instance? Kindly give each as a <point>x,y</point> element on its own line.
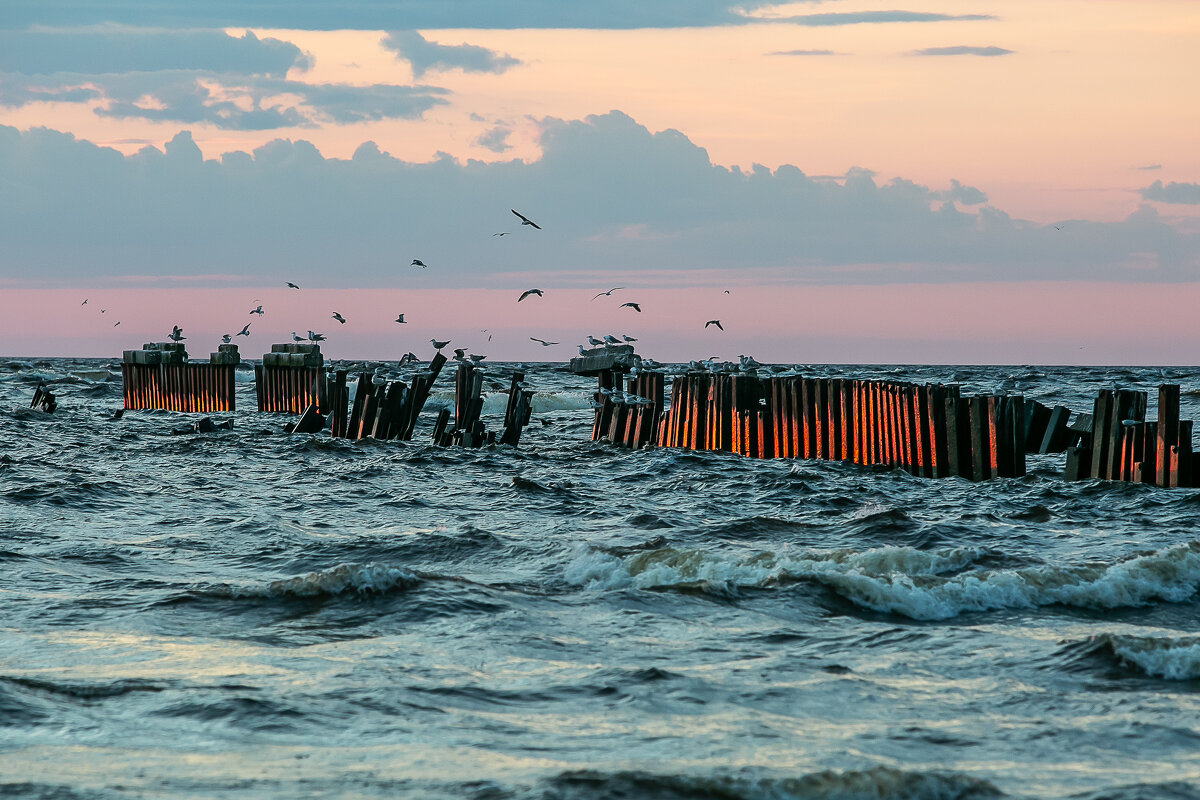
<point>227,348</point>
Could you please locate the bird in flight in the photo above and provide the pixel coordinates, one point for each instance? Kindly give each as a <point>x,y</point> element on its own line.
<point>400,318</point>
<point>635,306</point>
<point>245,331</point>
<point>339,318</point>
<point>316,337</point>
<point>115,324</point>
<point>226,338</point>
<point>102,310</point>
<point>609,292</point>
<point>258,311</point>
<point>460,353</point>
<point>528,292</point>
<point>438,345</point>
<point>1059,227</point>
<point>525,220</point>
<point>416,262</point>
<point>726,291</point>
<point>176,334</point>
<point>544,343</point>
<point>84,303</point>
<point>501,233</point>
<point>716,322</point>
<point>292,285</point>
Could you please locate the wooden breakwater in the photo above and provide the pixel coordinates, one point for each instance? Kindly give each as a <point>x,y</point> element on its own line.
<point>159,376</point>
<point>388,410</point>
<point>1123,446</point>
<point>291,378</point>
<point>469,429</point>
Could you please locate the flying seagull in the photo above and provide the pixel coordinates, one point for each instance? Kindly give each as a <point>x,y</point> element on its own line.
<point>438,345</point>
<point>528,292</point>
<point>292,285</point>
<point>501,233</point>
<point>609,292</point>
<point>635,306</point>
<point>460,353</point>
<point>176,334</point>
<point>416,262</point>
<point>716,322</point>
<point>316,337</point>
<point>102,311</point>
<point>339,318</point>
<point>84,303</point>
<point>544,343</point>
<point>399,318</point>
<point>525,220</point>
<point>245,331</point>
<point>226,338</point>
<point>258,311</point>
<point>1059,227</point>
<point>115,324</point>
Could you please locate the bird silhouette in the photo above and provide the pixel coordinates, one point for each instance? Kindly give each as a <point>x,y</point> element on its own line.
<point>226,338</point>
<point>84,303</point>
<point>400,318</point>
<point>258,311</point>
<point>316,337</point>
<point>438,345</point>
<point>528,292</point>
<point>297,337</point>
<point>292,285</point>
<point>635,306</point>
<point>176,334</point>
<point>339,318</point>
<point>544,343</point>
<point>609,292</point>
<point>525,220</point>
<point>716,322</point>
<point>501,233</point>
<point>416,262</point>
<point>245,331</point>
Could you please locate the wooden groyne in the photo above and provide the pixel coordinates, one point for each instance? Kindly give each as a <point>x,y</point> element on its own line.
<point>291,378</point>
<point>159,377</point>
<point>388,410</point>
<point>468,429</point>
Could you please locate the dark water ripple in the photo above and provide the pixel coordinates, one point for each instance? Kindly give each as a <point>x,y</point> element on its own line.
<point>253,614</point>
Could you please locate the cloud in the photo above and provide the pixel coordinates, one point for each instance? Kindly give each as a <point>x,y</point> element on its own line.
<point>1183,193</point>
<point>1149,167</point>
<point>495,139</point>
<point>802,53</point>
<point>230,102</point>
<point>608,193</point>
<point>113,49</point>
<point>876,17</point>
<point>386,14</point>
<point>962,50</point>
<point>425,55</point>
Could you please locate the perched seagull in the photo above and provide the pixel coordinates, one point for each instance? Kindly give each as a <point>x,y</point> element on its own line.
<point>244,331</point>
<point>416,262</point>
<point>400,318</point>
<point>297,337</point>
<point>609,339</point>
<point>292,285</point>
<point>635,306</point>
<point>580,348</point>
<point>438,345</point>
<point>339,318</point>
<point>628,338</point>
<point>528,292</point>
<point>316,337</point>
<point>716,322</point>
<point>476,358</point>
<point>176,334</point>
<point>226,338</point>
<point>525,220</point>
<point>594,342</point>
<point>609,292</point>
<point>258,311</point>
<point>544,343</point>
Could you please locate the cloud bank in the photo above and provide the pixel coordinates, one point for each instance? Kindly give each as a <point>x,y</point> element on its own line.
<point>425,55</point>
<point>609,194</point>
<point>1186,193</point>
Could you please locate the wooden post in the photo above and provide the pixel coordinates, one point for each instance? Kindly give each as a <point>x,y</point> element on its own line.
<point>1166,469</point>
<point>1101,433</point>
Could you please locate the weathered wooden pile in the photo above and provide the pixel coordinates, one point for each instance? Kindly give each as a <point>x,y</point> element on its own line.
<point>159,376</point>
<point>630,418</point>
<point>387,410</point>
<point>1123,446</point>
<point>927,430</point>
<point>291,378</point>
<point>468,429</point>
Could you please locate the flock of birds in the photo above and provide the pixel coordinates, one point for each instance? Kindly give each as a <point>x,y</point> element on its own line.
<point>461,354</point>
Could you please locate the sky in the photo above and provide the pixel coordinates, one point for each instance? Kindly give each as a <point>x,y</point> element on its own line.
<point>841,181</point>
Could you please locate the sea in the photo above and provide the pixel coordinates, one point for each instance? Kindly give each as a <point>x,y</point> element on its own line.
<point>249,613</point>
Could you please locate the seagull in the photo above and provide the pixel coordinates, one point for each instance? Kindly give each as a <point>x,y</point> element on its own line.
<point>291,285</point>
<point>176,334</point>
<point>115,324</point>
<point>316,337</point>
<point>416,262</point>
<point>258,311</point>
<point>594,342</point>
<point>102,311</point>
<point>528,292</point>
<point>244,331</point>
<point>609,339</point>
<point>476,358</point>
<point>400,318</point>
<point>609,292</point>
<point>296,337</point>
<point>408,358</point>
<point>544,343</point>
<point>460,353</point>
<point>438,345</point>
<point>726,291</point>
<point>84,303</point>
<point>525,220</point>
<point>716,322</point>
<point>628,338</point>
<point>226,338</point>
<point>635,306</point>
<point>502,233</point>
<point>1059,227</point>
<point>339,318</point>
<point>580,349</point>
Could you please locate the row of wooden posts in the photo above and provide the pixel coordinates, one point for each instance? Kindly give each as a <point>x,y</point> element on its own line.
<point>387,410</point>
<point>179,387</point>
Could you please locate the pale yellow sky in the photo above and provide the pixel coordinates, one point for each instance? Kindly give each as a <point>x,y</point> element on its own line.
<point>1055,130</point>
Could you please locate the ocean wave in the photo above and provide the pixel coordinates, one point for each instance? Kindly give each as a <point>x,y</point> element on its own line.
<point>694,567</point>
<point>84,691</point>
<point>363,579</point>
<point>869,784</point>
<point>1158,657</point>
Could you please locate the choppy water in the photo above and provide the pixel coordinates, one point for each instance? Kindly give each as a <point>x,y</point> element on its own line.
<point>254,614</point>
